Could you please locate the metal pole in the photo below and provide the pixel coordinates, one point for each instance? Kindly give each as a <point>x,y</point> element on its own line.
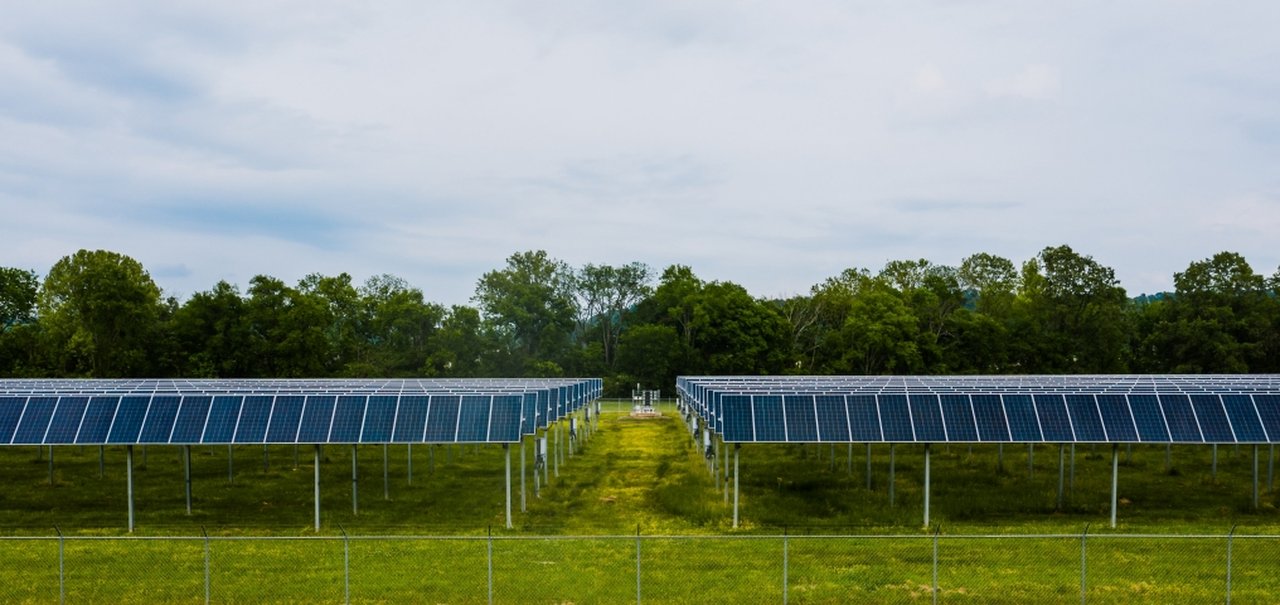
<point>736,448</point>
<point>725,447</point>
<point>1255,477</point>
<point>386,475</point>
<point>892,446</point>
<point>1061,472</point>
<point>524,505</point>
<point>555,455</point>
<point>129,479</point>
<point>1115,480</point>
<point>506,447</point>
<point>868,467</point>
<point>355,481</point>
<point>186,464</point>
<point>317,486</point>
<point>926,488</point>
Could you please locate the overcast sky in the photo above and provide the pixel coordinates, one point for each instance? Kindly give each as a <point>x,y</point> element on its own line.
<point>772,144</point>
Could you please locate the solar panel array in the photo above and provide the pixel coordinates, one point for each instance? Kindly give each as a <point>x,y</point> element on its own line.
<point>988,409</point>
<point>189,412</point>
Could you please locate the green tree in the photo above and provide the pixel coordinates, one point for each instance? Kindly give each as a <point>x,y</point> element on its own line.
<point>530,302</point>
<point>212,335</point>
<point>287,330</point>
<point>400,328</point>
<point>100,311</point>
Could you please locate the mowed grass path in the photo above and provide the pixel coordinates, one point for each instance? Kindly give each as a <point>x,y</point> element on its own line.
<point>577,542</point>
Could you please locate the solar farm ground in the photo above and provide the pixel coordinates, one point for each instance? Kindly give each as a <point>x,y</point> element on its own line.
<point>634,475</point>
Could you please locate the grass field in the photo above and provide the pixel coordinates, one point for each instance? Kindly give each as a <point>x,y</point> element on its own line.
<point>634,476</point>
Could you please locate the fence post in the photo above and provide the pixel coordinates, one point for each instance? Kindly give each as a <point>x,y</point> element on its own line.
<point>1083,565</point>
<point>936,531</point>
<point>346,565</point>
<point>785,563</point>
<point>1230,538</point>
<point>62,588</point>
<point>489,557</point>
<point>206,564</point>
<point>637,565</point>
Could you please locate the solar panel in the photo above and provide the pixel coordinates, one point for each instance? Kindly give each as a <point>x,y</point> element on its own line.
<point>895,418</point>
<point>926,417</point>
<point>958,415</point>
<point>769,421</point>
<point>1086,424</point>
<point>1244,418</point>
<point>158,422</point>
<point>1212,418</point>
<point>443,427</point>
<point>864,418</point>
<point>988,414</point>
<point>1116,419</point>
<point>1181,420</point>
<point>801,421</point>
<point>833,418</point>
<point>1149,418</point>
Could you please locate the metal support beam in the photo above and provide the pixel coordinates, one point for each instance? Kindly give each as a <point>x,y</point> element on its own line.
<point>355,487</point>
<point>186,464</point>
<point>524,501</point>
<point>736,448</point>
<point>1115,480</point>
<point>129,480</point>
<point>892,447</point>
<point>1061,472</point>
<point>317,486</point>
<point>506,448</point>
<point>926,484</point>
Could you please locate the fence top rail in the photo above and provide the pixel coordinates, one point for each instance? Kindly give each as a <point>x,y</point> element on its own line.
<point>647,537</point>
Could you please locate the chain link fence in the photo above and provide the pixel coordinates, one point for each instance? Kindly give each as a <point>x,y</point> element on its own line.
<point>920,568</point>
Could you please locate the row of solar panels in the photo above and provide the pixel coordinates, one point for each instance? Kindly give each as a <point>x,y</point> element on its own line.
<point>287,418</point>
<point>582,387</point>
<point>742,415</point>
<point>990,384</point>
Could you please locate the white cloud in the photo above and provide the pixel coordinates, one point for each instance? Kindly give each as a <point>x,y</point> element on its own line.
<point>1037,82</point>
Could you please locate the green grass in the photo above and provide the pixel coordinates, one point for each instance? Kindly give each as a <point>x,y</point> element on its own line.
<point>577,542</point>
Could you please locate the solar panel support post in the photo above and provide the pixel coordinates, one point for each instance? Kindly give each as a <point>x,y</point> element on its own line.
<point>927,447</point>
<point>524,504</point>
<point>892,465</point>
<point>129,481</point>
<point>506,448</point>
<point>725,447</point>
<point>736,448</point>
<point>556,455</point>
<point>386,473</point>
<point>1115,480</point>
<point>1255,477</point>
<point>1062,455</point>
<point>186,466</point>
<point>317,486</point>
<point>355,482</point>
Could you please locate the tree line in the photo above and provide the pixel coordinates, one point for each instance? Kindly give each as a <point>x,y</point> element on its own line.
<point>99,314</point>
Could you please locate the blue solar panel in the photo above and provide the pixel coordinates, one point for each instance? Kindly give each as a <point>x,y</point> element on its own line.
<point>348,419</point>
<point>129,417</point>
<point>161,415</point>
<point>1085,421</point>
<point>1116,418</point>
<point>286,416</point>
<point>317,415</point>
<point>801,424</point>
<point>895,419</point>
<point>988,414</point>
<point>97,420</point>
<point>1269,411</point>
<point>504,424</point>
<point>473,418</point>
<point>1244,418</point>
<point>1149,418</point>
<point>1054,421</point>
<point>223,417</point>
<point>379,417</point>
<point>192,416</point>
<point>411,419</point>
<point>66,420</point>
<point>35,420</point>
<point>927,418</point>
<point>1023,423</point>
<point>528,422</point>
<point>1213,419</point>
<point>833,420</point>
<point>1181,421</point>
<point>442,424</point>
<point>958,416</point>
<point>864,418</point>
<point>10,410</point>
<point>737,412</point>
<point>254,415</point>
<point>768,417</point>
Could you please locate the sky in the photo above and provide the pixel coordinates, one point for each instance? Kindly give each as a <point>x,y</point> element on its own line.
<point>771,144</point>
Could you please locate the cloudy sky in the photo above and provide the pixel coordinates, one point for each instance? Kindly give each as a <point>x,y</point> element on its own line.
<point>771,144</point>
